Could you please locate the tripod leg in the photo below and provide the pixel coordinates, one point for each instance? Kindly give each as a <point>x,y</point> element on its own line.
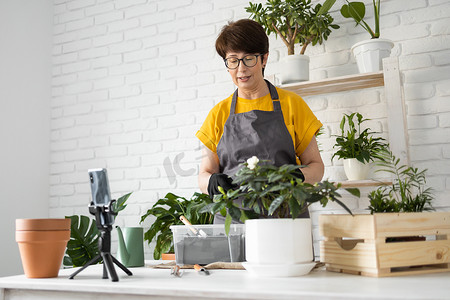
<point>105,272</point>
<point>93,261</point>
<point>107,260</point>
<point>121,266</point>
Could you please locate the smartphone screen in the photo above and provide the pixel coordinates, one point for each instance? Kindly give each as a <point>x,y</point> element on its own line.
<point>101,195</point>
<point>99,186</point>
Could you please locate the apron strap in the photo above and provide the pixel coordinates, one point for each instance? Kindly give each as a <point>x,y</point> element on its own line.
<point>273,95</point>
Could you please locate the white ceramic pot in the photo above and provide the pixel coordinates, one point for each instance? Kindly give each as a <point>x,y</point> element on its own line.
<point>356,170</point>
<point>369,54</point>
<point>278,241</point>
<point>295,68</point>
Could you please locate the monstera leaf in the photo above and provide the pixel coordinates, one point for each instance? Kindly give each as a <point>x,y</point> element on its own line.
<point>83,243</point>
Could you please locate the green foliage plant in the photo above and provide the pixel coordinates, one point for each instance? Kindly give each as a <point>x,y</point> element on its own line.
<point>84,234</point>
<point>357,11</point>
<point>270,191</point>
<point>294,21</point>
<point>407,192</point>
<point>356,143</point>
<point>167,212</point>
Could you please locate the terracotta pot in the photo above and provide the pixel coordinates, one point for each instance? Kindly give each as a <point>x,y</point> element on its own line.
<point>42,243</point>
<point>168,256</point>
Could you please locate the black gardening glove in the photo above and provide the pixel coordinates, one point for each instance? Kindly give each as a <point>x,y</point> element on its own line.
<point>299,174</point>
<point>219,179</point>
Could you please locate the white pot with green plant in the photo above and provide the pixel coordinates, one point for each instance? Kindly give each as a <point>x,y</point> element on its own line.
<point>369,54</point>
<point>357,147</point>
<point>277,243</point>
<point>295,22</point>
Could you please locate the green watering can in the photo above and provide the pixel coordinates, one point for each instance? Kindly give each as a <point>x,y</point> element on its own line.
<point>131,246</point>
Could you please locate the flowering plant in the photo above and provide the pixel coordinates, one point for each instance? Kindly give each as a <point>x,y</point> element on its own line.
<point>269,191</point>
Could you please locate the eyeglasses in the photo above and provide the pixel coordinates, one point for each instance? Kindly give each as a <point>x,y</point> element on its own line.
<point>248,60</point>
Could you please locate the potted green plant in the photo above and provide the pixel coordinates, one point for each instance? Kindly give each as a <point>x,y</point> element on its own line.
<point>273,198</point>
<point>168,211</point>
<point>295,22</point>
<point>84,234</point>
<point>407,192</point>
<point>368,53</point>
<point>399,236</point>
<point>357,147</point>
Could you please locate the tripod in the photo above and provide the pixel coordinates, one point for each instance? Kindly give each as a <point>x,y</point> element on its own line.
<point>103,213</point>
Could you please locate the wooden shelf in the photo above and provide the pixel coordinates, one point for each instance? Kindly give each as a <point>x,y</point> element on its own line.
<point>336,84</point>
<point>364,183</point>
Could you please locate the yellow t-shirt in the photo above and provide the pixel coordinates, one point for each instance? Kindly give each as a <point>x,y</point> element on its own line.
<point>298,117</point>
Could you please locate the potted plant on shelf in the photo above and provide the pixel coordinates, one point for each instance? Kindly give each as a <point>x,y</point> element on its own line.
<point>168,211</point>
<point>357,147</point>
<point>368,53</point>
<point>399,237</point>
<point>295,22</point>
<point>277,242</point>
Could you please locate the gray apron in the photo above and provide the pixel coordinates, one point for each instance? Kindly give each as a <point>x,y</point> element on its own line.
<point>255,133</point>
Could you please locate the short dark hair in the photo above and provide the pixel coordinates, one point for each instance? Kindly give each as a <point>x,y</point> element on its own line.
<point>243,35</point>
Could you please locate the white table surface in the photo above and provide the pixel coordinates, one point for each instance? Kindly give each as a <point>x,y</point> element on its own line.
<point>152,283</point>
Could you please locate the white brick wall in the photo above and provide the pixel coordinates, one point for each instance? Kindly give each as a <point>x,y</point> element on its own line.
<point>134,80</point>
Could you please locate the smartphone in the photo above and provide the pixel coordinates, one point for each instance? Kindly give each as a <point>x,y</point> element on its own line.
<point>99,186</point>
<point>101,195</point>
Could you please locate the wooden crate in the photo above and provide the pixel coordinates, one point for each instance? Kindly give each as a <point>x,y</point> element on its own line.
<point>360,244</point>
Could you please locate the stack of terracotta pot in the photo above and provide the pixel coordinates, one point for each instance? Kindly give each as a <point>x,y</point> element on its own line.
<point>42,243</point>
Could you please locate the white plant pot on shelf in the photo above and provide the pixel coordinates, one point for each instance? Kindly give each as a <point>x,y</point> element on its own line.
<point>356,170</point>
<point>278,247</point>
<point>369,54</point>
<point>294,68</point>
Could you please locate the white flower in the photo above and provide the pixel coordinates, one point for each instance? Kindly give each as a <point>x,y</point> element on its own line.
<point>252,162</point>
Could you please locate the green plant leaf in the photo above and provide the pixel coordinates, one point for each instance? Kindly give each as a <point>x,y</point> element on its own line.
<point>276,203</point>
<point>326,7</point>
<point>83,243</point>
<point>355,10</point>
<point>354,191</point>
<point>234,212</point>
<point>228,219</point>
<point>120,205</point>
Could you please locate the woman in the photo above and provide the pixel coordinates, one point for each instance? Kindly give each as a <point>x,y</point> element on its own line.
<point>258,119</point>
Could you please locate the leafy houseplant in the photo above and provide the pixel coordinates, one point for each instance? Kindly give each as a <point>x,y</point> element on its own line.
<point>370,53</point>
<point>357,11</point>
<point>406,194</point>
<point>354,143</point>
<point>84,234</point>
<point>295,21</point>
<point>167,212</point>
<point>270,191</point>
